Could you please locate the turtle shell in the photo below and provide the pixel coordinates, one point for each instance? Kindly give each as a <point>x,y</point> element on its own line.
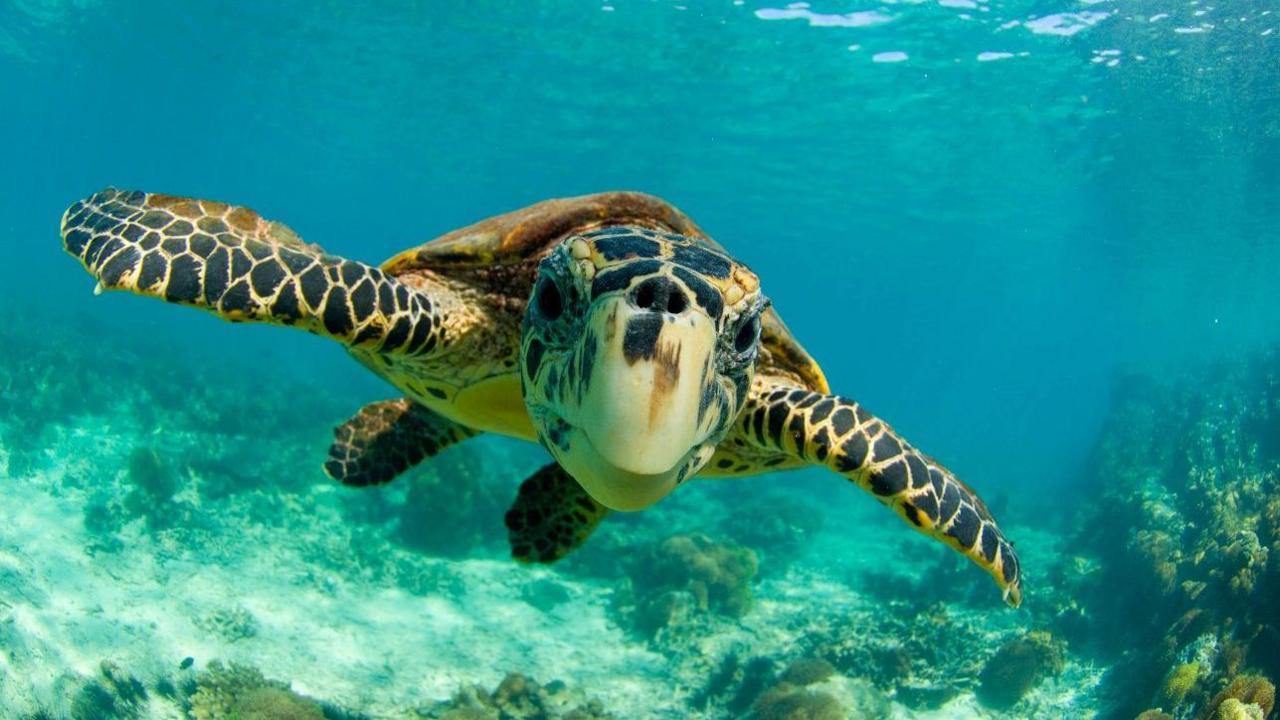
<point>529,233</point>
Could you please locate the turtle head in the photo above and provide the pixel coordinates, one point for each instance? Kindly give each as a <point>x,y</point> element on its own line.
<point>638,348</point>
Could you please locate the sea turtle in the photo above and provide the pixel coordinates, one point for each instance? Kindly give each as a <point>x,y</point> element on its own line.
<point>608,327</point>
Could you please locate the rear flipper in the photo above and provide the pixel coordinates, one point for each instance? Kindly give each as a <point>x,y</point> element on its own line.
<point>551,517</point>
<point>386,438</point>
<point>836,432</point>
<point>232,262</point>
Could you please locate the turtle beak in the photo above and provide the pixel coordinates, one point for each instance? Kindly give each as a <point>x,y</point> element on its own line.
<point>639,426</point>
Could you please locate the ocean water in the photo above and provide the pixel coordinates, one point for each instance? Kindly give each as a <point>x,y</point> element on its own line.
<point>1039,237</point>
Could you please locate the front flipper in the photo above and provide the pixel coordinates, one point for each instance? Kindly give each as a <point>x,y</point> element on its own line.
<point>551,517</point>
<point>232,262</point>
<point>836,432</point>
<point>386,438</point>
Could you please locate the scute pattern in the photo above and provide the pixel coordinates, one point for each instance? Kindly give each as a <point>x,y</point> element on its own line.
<point>231,261</point>
<point>623,255</point>
<point>837,432</point>
<point>386,438</point>
<point>527,232</point>
<point>552,516</point>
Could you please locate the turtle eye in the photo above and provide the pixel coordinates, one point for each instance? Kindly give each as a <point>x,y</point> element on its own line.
<point>747,334</point>
<point>550,304</point>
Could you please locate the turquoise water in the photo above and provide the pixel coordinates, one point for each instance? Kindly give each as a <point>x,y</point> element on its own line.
<point>1005,227</point>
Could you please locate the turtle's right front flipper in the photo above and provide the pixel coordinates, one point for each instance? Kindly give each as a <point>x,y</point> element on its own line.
<point>386,438</point>
<point>231,261</point>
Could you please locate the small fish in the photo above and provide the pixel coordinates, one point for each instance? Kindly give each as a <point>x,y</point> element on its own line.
<point>186,663</point>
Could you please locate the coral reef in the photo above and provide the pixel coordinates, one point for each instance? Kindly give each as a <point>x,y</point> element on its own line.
<point>214,502</point>
<point>689,575</point>
<point>923,658</point>
<point>240,692</point>
<point>807,671</point>
<point>229,624</point>
<point>1184,519</point>
<point>1241,694</point>
<point>1180,682</point>
<point>808,689</point>
<point>518,698</point>
<point>1233,709</point>
<point>787,702</point>
<point>269,703</point>
<point>1017,666</point>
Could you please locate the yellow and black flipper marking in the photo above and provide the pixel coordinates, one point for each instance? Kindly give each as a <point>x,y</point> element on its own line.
<point>232,262</point>
<point>838,433</point>
<point>386,438</point>
<point>552,516</point>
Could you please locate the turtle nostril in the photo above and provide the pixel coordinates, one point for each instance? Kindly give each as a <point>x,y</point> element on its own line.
<point>676,302</point>
<point>658,295</point>
<point>644,295</point>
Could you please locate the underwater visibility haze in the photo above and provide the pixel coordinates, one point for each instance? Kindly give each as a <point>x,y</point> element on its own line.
<point>1024,251</point>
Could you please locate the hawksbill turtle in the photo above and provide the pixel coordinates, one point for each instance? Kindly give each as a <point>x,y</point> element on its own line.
<point>608,327</point>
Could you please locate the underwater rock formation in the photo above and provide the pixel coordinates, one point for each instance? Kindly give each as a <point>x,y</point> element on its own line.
<point>1181,536</point>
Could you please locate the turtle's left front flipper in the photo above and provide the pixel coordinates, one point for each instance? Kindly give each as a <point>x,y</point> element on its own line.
<point>551,517</point>
<point>232,262</point>
<point>836,432</point>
